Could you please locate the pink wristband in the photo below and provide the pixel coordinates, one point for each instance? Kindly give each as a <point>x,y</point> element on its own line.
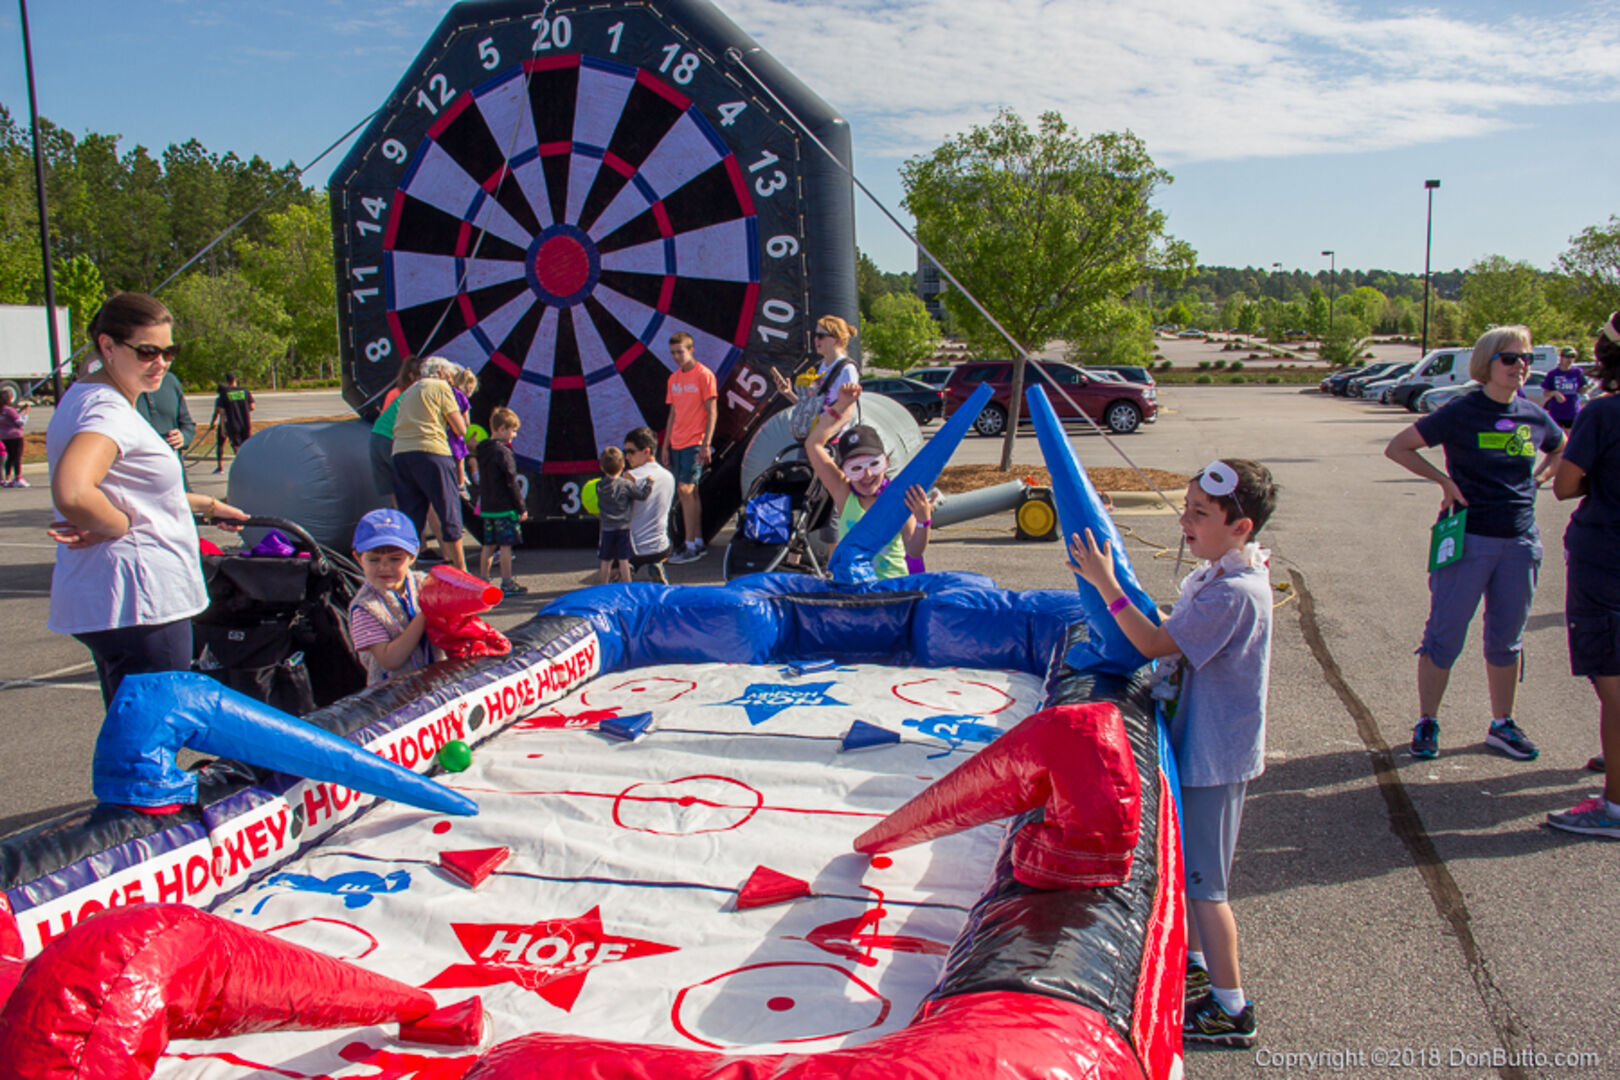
<point>1119,605</point>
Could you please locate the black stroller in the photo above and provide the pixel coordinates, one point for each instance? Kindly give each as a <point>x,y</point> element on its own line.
<point>277,627</point>
<point>798,546</point>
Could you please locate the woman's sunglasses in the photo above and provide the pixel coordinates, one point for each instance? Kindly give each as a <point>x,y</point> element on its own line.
<point>1514,357</point>
<point>149,353</point>
<point>822,334</point>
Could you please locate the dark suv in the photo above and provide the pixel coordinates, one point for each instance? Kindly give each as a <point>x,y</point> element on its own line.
<point>1122,406</point>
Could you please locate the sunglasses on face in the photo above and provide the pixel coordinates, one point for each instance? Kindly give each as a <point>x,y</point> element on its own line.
<point>821,334</point>
<point>1514,357</point>
<point>152,353</point>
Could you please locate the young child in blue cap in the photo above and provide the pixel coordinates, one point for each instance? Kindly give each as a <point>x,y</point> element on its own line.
<point>386,622</point>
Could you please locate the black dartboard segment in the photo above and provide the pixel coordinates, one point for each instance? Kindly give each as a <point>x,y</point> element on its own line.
<point>546,198</point>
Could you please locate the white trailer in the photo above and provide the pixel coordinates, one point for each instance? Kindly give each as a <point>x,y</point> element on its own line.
<point>25,346</point>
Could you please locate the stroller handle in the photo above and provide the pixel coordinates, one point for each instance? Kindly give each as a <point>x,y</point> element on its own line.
<point>293,531</point>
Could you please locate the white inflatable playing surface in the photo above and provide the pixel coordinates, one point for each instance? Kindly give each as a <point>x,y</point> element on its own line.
<point>615,914</point>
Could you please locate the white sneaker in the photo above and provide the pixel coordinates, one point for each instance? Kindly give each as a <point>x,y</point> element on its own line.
<point>691,552</point>
<point>19,482</point>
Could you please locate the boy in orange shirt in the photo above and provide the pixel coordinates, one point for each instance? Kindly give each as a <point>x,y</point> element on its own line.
<point>691,396</point>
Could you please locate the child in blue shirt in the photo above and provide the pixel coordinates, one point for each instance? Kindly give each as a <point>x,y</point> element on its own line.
<point>1221,629</point>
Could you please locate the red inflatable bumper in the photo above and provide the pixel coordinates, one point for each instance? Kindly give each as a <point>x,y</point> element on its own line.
<point>1074,760</point>
<point>103,1001</point>
<point>1007,1036</point>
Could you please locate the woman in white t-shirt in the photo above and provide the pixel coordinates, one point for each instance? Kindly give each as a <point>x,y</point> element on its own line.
<point>832,337</point>
<point>128,574</point>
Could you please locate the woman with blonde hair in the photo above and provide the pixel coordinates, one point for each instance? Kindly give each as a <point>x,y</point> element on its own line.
<point>1490,438</point>
<point>836,370</point>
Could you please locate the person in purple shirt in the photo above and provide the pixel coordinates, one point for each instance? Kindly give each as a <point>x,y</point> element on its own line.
<point>1561,390</point>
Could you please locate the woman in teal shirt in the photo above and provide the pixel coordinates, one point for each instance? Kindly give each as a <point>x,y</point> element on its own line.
<point>859,476</point>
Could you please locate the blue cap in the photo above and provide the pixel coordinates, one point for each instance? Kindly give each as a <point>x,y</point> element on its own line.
<point>385,528</point>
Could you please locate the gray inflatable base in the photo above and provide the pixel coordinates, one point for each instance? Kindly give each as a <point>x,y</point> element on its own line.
<point>318,475</point>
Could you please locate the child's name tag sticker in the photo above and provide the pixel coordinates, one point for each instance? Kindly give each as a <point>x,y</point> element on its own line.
<point>1446,539</point>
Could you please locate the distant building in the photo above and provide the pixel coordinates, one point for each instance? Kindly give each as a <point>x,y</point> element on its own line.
<point>931,286</point>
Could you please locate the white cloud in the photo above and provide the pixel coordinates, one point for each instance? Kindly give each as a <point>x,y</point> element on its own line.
<point>1216,79</point>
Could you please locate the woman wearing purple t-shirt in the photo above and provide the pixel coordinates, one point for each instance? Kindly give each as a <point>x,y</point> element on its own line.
<point>1490,438</point>
<point>12,422</point>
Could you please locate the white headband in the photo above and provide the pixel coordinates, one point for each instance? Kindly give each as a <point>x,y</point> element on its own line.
<point>1611,331</point>
<point>1218,478</point>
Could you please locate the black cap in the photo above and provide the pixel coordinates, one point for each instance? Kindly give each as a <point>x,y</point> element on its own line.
<point>858,440</point>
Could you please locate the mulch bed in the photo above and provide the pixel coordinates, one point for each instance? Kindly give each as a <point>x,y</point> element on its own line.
<point>959,478</point>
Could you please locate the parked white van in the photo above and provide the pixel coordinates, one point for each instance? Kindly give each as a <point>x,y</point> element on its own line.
<point>1449,367</point>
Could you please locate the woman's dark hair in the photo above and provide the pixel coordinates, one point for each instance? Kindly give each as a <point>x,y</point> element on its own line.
<point>1607,353</point>
<point>410,370</point>
<point>123,314</point>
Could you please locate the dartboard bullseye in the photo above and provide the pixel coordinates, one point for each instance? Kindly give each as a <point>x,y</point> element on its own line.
<point>547,198</point>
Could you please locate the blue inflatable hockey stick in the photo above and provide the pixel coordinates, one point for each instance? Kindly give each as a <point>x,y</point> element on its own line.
<point>1080,508</point>
<point>153,716</point>
<point>851,562</point>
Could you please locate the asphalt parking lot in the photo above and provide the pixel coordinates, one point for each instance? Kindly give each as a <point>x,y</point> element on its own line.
<point>1398,917</point>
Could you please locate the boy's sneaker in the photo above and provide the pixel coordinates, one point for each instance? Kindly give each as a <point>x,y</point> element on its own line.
<point>1207,1022</point>
<point>1197,985</point>
<point>1590,818</point>
<point>692,551</point>
<point>19,482</point>
<point>1426,738</point>
<point>510,587</point>
<point>1506,737</point>
<point>1596,764</point>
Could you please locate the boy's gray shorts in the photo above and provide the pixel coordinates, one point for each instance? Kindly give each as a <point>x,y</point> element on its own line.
<point>1210,818</point>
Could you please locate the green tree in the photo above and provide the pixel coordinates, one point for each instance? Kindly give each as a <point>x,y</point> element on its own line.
<point>293,267</point>
<point>79,289</point>
<point>1248,320</point>
<point>1316,313</point>
<point>1591,289</point>
<point>1051,231</point>
<point>900,334</point>
<point>1446,326</point>
<point>1125,338</point>
<point>20,266</point>
<point>1500,292</point>
<point>227,325</point>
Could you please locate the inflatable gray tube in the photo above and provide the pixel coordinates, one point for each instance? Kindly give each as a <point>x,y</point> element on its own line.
<point>901,436</point>
<point>318,475</point>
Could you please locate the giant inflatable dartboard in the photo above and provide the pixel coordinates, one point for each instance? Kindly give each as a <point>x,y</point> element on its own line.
<point>552,191</point>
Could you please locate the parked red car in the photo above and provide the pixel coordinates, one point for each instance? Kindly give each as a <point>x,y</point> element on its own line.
<point>1121,406</point>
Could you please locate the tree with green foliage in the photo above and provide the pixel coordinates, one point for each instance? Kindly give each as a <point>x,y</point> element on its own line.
<point>900,334</point>
<point>1124,338</point>
<point>1316,313</point>
<point>1501,292</point>
<point>79,289</point>
<point>294,266</point>
<point>1591,290</point>
<point>871,283</point>
<point>1050,230</point>
<point>227,325</point>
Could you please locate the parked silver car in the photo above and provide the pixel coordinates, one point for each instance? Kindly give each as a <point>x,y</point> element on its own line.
<point>1431,400</point>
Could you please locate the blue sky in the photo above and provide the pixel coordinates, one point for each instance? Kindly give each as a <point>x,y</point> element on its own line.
<point>1290,125</point>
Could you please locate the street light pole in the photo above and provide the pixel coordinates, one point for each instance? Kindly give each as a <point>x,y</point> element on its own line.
<point>44,222</point>
<point>1428,240</point>
<point>1332,266</point>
